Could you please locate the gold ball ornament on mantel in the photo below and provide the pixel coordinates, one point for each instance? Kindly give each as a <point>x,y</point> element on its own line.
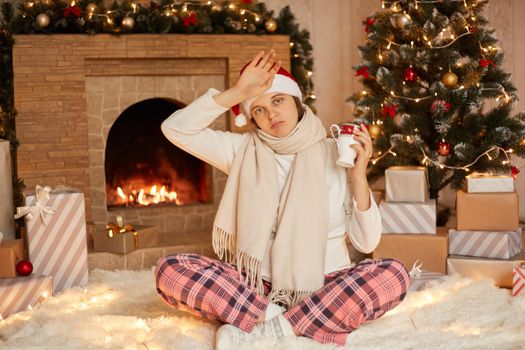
<point>128,22</point>
<point>403,20</point>
<point>91,7</point>
<point>450,79</point>
<point>270,25</point>
<point>42,20</point>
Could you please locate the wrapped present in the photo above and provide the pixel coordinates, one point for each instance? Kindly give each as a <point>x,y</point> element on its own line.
<point>17,294</point>
<point>432,250</point>
<point>498,270</point>
<point>483,183</point>
<point>126,242</point>
<point>406,184</point>
<point>408,217</point>
<point>485,244</point>
<point>56,234</point>
<point>518,279</point>
<point>421,279</point>
<point>487,211</point>
<point>7,224</point>
<point>123,239</point>
<point>11,252</point>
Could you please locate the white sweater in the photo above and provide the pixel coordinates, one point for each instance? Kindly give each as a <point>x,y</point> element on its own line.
<point>188,129</point>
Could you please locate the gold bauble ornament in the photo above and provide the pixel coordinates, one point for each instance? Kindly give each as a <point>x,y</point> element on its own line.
<point>91,7</point>
<point>42,20</point>
<point>270,25</point>
<point>128,22</point>
<point>450,79</point>
<point>374,130</point>
<point>167,13</point>
<point>403,20</point>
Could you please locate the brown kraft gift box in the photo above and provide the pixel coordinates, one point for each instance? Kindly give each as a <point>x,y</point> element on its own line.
<point>487,211</point>
<point>123,243</point>
<point>11,252</point>
<point>431,250</point>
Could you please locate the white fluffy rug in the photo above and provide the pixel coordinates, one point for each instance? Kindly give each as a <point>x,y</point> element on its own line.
<point>121,310</point>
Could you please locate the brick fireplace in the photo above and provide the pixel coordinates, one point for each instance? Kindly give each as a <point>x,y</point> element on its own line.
<point>70,90</point>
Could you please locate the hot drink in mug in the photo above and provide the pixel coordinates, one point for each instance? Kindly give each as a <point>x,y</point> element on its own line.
<point>345,138</point>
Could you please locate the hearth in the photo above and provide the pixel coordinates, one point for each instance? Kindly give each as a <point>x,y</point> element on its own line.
<point>143,168</point>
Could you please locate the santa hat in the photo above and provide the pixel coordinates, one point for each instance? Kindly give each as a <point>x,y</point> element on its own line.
<point>283,82</point>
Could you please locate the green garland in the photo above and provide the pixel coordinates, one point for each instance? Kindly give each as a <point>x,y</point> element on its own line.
<point>126,17</point>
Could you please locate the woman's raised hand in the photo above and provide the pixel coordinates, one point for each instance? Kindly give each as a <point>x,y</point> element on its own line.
<point>258,76</point>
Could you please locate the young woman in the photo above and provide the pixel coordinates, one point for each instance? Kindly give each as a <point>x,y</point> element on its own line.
<point>282,222</point>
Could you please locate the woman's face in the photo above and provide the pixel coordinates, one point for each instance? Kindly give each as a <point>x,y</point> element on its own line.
<point>275,113</point>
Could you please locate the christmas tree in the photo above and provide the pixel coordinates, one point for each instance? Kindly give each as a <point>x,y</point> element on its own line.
<point>434,92</point>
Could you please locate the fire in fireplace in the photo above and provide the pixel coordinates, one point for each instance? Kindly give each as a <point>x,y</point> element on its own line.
<point>144,169</point>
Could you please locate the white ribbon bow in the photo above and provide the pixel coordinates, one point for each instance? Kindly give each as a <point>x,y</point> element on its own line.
<point>416,269</point>
<point>42,196</point>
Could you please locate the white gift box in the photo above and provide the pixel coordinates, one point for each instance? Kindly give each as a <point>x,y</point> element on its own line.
<point>406,184</point>
<point>477,183</point>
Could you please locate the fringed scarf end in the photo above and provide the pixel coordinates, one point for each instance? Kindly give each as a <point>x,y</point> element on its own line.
<point>223,244</point>
<point>288,298</point>
<point>252,268</point>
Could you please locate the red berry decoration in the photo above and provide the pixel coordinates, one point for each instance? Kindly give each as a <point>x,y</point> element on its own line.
<point>472,28</point>
<point>440,105</point>
<point>390,110</point>
<point>485,63</point>
<point>410,74</point>
<point>369,22</point>
<point>515,171</point>
<point>24,268</point>
<point>362,71</point>
<point>443,148</point>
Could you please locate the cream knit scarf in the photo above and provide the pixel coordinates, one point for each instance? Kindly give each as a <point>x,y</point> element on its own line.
<point>246,214</point>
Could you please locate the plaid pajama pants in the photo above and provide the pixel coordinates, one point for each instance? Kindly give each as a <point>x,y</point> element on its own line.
<point>349,297</point>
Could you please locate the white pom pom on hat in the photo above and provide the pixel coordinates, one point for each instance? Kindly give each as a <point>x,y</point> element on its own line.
<point>283,82</point>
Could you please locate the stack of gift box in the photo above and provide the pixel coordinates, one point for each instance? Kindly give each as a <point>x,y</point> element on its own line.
<point>409,225</point>
<point>56,246</point>
<point>487,240</point>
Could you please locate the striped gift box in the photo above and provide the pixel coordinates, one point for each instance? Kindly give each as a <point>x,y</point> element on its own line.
<point>518,280</point>
<point>425,279</point>
<point>58,247</point>
<point>485,244</point>
<point>17,294</point>
<point>398,217</point>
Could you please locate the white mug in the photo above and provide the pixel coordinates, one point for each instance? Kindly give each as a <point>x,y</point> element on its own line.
<point>345,138</point>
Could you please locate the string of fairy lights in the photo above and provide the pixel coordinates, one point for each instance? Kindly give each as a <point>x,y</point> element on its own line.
<point>449,80</point>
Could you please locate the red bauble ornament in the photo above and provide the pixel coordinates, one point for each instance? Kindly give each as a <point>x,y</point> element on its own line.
<point>24,268</point>
<point>443,148</point>
<point>410,74</point>
<point>514,171</point>
<point>472,28</point>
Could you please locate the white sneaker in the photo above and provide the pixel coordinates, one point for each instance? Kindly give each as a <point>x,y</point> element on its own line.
<point>228,336</point>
